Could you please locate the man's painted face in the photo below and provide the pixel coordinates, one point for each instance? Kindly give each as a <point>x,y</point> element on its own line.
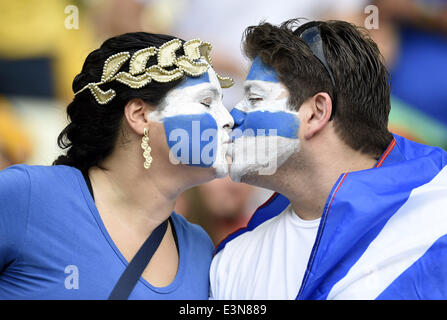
<point>194,120</point>
<point>265,129</point>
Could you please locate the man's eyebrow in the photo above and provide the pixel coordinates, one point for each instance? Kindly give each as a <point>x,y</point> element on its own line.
<point>249,86</point>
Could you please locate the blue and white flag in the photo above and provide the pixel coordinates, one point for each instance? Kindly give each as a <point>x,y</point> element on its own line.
<point>383,231</point>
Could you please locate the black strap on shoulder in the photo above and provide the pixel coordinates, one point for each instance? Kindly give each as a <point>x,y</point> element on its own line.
<point>123,288</point>
<point>135,269</point>
<point>88,182</point>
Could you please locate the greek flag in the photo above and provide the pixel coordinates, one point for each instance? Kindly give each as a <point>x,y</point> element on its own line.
<point>383,232</point>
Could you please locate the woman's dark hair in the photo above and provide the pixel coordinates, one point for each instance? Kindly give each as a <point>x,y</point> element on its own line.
<point>361,78</point>
<point>93,128</point>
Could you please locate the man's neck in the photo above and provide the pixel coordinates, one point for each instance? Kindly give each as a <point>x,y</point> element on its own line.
<point>309,198</point>
<point>307,183</point>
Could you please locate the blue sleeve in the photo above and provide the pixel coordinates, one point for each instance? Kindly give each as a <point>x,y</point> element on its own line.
<point>14,203</point>
<point>203,239</point>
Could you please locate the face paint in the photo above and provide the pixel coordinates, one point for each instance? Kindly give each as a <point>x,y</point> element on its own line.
<point>265,123</point>
<point>261,72</point>
<point>262,116</point>
<point>194,119</point>
<point>192,139</point>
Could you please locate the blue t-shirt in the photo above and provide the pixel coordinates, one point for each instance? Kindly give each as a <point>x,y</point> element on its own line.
<point>54,245</point>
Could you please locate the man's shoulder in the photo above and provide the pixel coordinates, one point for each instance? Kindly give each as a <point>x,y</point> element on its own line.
<point>410,150</point>
<point>261,229</point>
<point>252,240</point>
<point>261,220</point>
<point>239,262</point>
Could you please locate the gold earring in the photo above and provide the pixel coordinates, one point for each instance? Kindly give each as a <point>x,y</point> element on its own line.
<point>147,149</point>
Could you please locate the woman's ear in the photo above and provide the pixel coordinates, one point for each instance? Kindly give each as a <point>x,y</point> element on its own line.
<point>317,113</point>
<point>136,114</point>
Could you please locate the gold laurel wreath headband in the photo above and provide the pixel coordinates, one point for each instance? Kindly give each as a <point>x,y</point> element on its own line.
<point>139,76</point>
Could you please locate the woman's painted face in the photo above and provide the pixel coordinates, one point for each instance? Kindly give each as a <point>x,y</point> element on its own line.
<point>265,131</point>
<point>196,123</point>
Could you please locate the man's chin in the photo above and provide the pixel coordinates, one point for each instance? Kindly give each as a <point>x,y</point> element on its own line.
<point>222,169</point>
<point>239,172</point>
<point>235,175</point>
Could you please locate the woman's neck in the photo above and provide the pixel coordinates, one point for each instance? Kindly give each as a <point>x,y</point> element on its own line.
<point>132,196</point>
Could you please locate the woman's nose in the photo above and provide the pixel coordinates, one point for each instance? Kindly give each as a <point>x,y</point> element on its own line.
<point>226,119</point>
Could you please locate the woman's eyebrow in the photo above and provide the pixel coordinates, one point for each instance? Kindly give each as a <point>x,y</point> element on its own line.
<point>213,91</point>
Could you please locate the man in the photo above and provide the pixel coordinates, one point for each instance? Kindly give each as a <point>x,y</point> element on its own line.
<point>358,213</point>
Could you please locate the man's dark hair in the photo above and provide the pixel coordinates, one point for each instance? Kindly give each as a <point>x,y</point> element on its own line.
<point>361,78</point>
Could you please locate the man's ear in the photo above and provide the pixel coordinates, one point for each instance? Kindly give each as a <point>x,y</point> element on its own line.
<point>319,110</point>
<point>136,115</point>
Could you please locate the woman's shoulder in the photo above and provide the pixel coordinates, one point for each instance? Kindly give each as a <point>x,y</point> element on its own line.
<point>16,172</point>
<point>36,172</point>
<point>191,230</point>
<point>20,177</point>
<point>38,168</point>
<point>21,188</point>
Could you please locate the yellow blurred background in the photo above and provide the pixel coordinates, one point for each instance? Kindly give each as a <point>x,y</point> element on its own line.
<point>43,44</point>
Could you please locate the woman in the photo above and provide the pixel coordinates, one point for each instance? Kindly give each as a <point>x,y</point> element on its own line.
<point>146,123</point>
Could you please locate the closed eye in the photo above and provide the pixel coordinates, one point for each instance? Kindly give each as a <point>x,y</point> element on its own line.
<point>207,102</point>
<point>254,99</point>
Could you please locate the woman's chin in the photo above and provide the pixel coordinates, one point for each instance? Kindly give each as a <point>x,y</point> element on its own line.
<point>201,174</point>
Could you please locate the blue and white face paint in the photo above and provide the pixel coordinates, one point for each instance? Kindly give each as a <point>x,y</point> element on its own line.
<point>266,128</point>
<point>194,119</point>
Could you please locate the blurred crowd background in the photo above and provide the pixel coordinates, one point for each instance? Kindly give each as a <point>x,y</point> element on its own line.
<point>43,44</point>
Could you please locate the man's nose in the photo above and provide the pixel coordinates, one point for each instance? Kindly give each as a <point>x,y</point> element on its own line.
<point>238,117</point>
